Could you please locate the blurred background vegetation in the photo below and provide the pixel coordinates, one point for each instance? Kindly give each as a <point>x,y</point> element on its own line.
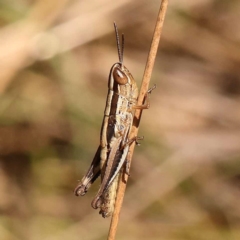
<point>55,58</point>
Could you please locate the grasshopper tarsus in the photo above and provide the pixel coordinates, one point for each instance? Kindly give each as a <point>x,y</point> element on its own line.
<point>97,202</point>
<point>135,139</point>
<point>146,104</point>
<point>151,89</point>
<point>139,138</point>
<point>80,190</point>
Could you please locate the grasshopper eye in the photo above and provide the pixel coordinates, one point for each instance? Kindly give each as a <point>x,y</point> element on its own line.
<point>119,76</point>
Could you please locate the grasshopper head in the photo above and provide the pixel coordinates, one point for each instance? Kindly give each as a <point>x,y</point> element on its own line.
<point>119,75</point>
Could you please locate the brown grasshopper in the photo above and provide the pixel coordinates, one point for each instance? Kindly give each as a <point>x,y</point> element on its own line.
<point>114,138</point>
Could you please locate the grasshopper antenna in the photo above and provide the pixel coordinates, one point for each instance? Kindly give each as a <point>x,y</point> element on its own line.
<point>120,49</point>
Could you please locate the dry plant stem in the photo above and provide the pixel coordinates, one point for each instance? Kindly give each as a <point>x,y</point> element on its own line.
<point>137,117</point>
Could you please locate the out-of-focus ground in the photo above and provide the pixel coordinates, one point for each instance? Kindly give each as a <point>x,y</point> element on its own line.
<point>55,58</point>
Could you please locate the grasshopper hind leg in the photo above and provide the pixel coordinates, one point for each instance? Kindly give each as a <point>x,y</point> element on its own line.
<point>92,174</point>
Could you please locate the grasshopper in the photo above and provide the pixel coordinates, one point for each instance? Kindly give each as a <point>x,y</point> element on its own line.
<point>114,145</point>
